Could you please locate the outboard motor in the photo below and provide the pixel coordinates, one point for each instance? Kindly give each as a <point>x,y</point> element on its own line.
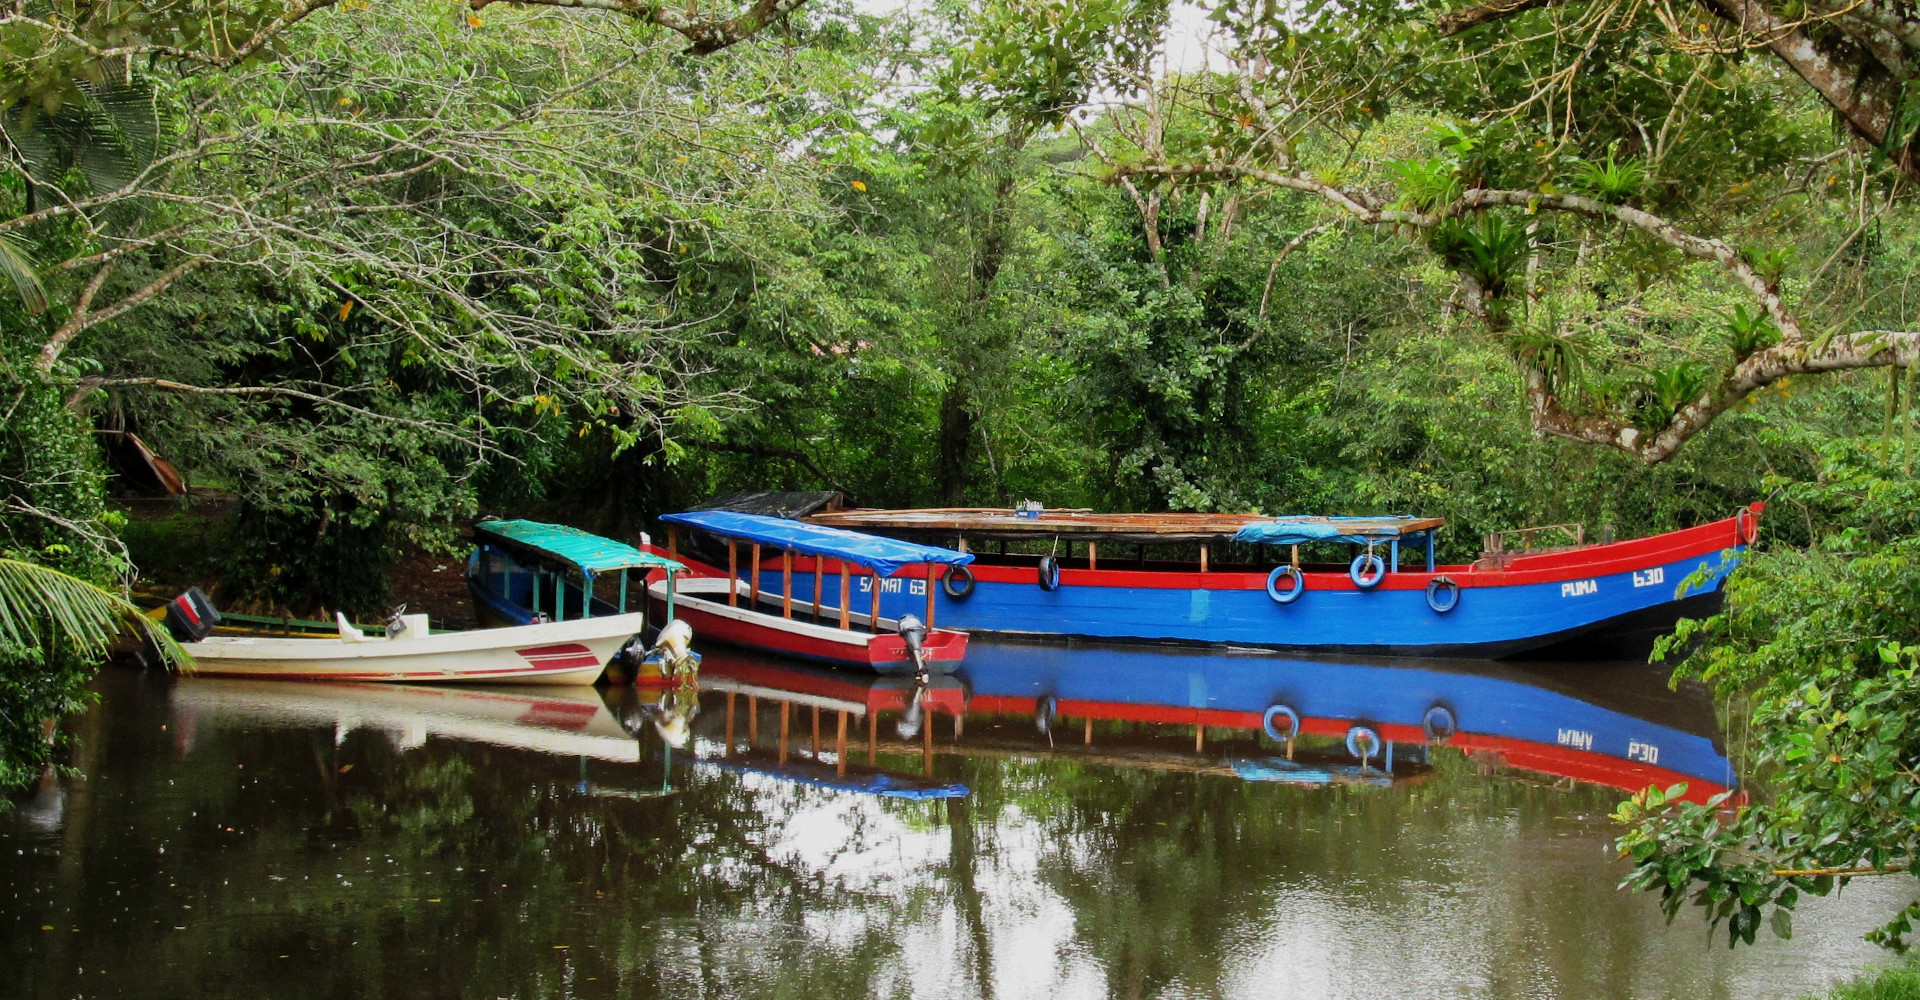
<point>671,649</point>
<point>915,635</point>
<point>191,616</point>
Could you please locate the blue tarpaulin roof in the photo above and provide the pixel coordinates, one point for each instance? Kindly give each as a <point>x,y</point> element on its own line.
<point>871,552</point>
<point>591,553</point>
<point>1358,530</point>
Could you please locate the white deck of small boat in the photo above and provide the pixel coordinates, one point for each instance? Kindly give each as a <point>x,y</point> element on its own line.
<point>569,652</point>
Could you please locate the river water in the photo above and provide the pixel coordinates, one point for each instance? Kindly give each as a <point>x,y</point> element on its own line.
<point>1098,823</point>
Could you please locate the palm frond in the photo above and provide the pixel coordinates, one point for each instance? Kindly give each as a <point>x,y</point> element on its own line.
<point>42,607</point>
<point>17,266</point>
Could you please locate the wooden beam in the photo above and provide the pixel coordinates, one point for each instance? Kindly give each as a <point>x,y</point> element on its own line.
<point>730,697</point>
<point>733,574</point>
<point>846,598</point>
<point>1093,555</point>
<point>816,589</point>
<point>874,622</point>
<point>786,711</point>
<point>753,721</point>
<point>786,584</point>
<point>930,585</point>
<point>873,738</point>
<point>753,585</point>
<point>1203,558</point>
<point>816,732</point>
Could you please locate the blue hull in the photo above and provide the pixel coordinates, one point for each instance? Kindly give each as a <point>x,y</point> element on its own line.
<point>1236,610</point>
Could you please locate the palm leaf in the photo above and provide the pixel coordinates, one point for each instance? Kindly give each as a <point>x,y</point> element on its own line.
<point>42,607</point>
<point>17,266</point>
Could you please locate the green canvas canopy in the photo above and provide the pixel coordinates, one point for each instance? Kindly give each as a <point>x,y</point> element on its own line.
<point>590,553</point>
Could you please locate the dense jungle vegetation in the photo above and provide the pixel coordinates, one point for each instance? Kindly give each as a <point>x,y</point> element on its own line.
<point>371,269</point>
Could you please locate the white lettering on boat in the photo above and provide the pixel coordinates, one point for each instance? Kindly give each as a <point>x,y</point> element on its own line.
<point>1578,739</point>
<point>893,585</point>
<point>1648,578</point>
<point>1645,753</point>
<point>1579,588</point>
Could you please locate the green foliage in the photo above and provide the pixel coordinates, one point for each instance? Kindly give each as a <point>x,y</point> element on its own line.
<point>1823,638</point>
<point>1427,185</point>
<point>1487,248</point>
<point>1748,331</point>
<point>1610,181</point>
<point>1899,983</point>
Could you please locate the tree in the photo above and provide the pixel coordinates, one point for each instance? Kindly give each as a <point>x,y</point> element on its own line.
<point>1621,170</point>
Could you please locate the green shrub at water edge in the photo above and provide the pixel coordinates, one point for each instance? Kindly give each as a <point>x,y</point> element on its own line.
<point>1899,983</point>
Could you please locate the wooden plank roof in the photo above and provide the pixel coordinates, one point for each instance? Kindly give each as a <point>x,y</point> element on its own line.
<point>1075,525</point>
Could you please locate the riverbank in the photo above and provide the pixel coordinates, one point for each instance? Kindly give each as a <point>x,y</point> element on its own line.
<point>176,544</point>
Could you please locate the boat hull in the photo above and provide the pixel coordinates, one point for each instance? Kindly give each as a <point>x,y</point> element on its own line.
<point>701,603</point>
<point>1600,592</point>
<point>557,653</point>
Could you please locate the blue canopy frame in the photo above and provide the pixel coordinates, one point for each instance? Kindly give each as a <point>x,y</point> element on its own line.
<point>1368,531</point>
<point>877,555</point>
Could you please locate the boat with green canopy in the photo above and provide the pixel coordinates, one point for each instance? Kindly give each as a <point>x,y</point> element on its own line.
<point>528,572</point>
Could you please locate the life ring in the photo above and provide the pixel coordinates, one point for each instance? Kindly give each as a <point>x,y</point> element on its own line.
<point>1357,570</point>
<point>1044,709</point>
<point>964,588</point>
<point>1438,723</point>
<point>1281,712</point>
<point>1746,526</point>
<point>1443,595</point>
<point>1286,596</point>
<point>1359,734</point>
<point>1049,573</point>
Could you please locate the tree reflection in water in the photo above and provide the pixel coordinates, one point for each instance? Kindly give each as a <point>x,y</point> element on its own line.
<point>230,851</point>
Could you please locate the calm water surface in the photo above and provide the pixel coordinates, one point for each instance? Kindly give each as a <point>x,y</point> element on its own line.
<point>1099,823</point>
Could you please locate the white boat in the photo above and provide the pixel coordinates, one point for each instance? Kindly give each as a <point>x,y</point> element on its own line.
<point>569,652</point>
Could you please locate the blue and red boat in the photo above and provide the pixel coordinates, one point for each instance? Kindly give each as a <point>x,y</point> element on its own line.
<point>1161,578</point>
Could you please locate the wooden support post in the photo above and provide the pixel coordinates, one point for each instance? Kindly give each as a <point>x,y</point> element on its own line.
<point>930,585</point>
<point>840,746</point>
<point>1093,555</point>
<point>961,545</point>
<point>958,720</point>
<point>733,574</point>
<point>816,732</point>
<point>1289,748</point>
<point>874,622</point>
<point>1199,738</point>
<point>753,585</point>
<point>873,737</point>
<point>786,710</point>
<point>786,585</point>
<point>1203,558</point>
<point>730,697</point>
<point>1088,737</point>
<point>846,598</point>
<point>673,544</point>
<point>926,744</point>
<point>816,589</point>
<point>1296,556</point>
<point>753,721</point>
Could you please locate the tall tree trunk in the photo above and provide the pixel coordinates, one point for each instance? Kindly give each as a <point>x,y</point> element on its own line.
<point>956,440</point>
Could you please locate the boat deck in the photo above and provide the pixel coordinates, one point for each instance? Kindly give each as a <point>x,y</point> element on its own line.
<point>1084,525</point>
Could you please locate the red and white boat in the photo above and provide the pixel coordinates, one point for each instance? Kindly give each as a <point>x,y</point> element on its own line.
<point>724,608</point>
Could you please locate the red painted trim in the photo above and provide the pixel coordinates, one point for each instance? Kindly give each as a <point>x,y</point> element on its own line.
<point>853,648</point>
<point>1593,560</point>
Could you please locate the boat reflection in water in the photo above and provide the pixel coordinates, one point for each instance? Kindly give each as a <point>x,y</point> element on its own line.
<point>1327,721</point>
<point>560,721</point>
<point>813,720</point>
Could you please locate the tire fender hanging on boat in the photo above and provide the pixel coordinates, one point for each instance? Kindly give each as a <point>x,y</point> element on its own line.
<point>1286,596</point>
<point>1443,595</point>
<point>1281,713</point>
<point>1364,743</point>
<point>1367,570</point>
<point>1049,573</point>
<point>1746,525</point>
<point>958,583</point>
<point>1438,724</point>
<point>1044,709</point>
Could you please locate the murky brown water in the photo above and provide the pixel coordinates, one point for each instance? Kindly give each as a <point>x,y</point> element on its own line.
<point>1100,823</point>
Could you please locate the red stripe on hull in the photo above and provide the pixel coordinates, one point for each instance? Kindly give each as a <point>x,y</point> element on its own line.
<point>858,649</point>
